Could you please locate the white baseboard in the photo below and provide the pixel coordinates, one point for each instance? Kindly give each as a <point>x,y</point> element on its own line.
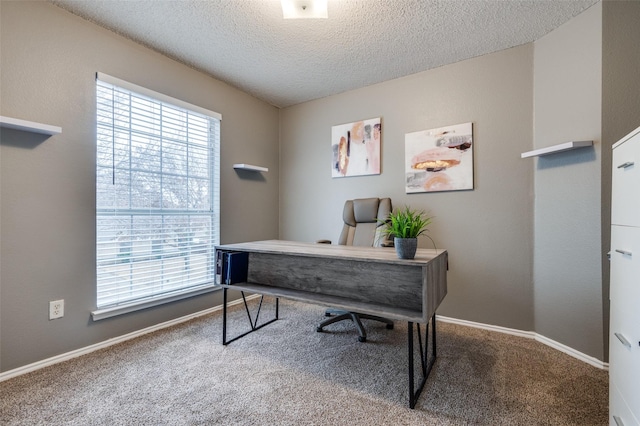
<point>110,342</point>
<point>531,335</point>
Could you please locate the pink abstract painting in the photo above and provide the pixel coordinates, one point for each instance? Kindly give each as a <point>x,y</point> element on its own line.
<point>356,148</point>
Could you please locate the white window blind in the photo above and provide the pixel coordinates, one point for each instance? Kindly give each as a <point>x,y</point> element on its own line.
<point>157,194</point>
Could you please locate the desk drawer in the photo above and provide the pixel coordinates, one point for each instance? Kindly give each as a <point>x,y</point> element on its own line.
<point>357,280</point>
<point>624,354</point>
<point>625,266</point>
<point>619,411</point>
<point>625,206</point>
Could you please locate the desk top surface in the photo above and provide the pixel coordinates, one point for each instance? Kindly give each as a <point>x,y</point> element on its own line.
<point>371,254</point>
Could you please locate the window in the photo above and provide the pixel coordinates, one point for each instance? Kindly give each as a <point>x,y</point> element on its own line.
<point>157,195</point>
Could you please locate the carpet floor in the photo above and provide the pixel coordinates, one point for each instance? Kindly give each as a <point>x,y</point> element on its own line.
<point>287,374</point>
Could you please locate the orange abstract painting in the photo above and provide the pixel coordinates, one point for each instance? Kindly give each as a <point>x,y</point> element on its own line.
<point>439,159</point>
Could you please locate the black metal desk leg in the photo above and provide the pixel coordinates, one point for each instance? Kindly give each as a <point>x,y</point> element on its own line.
<point>253,323</point>
<point>433,320</point>
<point>412,398</point>
<point>224,316</point>
<point>426,361</point>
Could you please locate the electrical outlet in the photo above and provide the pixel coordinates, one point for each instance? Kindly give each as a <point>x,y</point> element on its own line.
<point>56,309</point>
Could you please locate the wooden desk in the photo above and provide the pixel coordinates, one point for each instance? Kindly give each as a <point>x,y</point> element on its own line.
<point>361,279</point>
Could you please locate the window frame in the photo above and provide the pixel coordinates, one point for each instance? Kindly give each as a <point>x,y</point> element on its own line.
<point>213,158</point>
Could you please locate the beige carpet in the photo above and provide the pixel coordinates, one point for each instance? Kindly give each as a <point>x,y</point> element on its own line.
<point>287,374</point>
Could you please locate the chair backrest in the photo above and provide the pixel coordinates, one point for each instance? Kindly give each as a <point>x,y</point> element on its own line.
<point>361,224</point>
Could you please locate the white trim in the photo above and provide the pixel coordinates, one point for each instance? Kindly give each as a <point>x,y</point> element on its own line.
<point>496,328</point>
<point>531,335</point>
<point>104,313</point>
<point>572,352</point>
<point>110,342</point>
<point>156,95</point>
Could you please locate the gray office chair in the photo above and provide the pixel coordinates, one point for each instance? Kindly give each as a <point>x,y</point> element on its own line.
<point>361,228</point>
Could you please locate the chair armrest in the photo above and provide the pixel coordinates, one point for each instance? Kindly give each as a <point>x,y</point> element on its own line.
<point>323,242</point>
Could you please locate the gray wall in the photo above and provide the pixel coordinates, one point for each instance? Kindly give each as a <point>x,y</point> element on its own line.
<point>621,64</point>
<point>47,202</point>
<point>49,59</point>
<point>488,231</point>
<point>567,236</point>
<point>527,244</point>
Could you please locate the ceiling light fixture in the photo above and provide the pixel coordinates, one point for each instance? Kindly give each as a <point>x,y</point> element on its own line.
<point>297,9</point>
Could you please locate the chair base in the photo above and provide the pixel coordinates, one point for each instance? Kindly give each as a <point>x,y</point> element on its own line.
<point>355,317</point>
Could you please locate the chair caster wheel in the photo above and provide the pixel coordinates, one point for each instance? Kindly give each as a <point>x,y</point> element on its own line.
<point>362,339</point>
<point>389,326</point>
<point>319,329</point>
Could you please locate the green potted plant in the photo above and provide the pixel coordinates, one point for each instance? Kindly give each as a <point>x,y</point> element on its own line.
<point>405,226</point>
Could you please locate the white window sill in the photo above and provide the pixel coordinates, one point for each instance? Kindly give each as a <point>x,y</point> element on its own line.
<point>112,311</point>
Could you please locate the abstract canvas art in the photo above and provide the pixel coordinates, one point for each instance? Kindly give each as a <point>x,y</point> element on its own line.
<point>356,148</point>
<point>439,159</point>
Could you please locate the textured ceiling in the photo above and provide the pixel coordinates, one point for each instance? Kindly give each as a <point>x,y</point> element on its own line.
<point>248,44</point>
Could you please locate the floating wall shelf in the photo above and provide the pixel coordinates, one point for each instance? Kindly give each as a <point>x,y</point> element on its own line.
<point>250,167</point>
<point>29,126</point>
<point>556,148</point>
